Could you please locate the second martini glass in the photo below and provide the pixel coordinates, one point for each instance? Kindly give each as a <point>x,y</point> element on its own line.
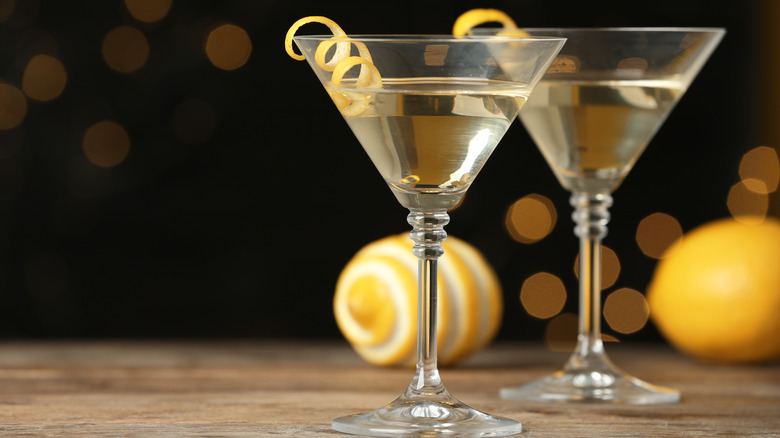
<point>592,115</point>
<point>429,125</point>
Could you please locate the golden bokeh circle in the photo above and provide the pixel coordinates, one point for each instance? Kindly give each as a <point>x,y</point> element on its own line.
<point>148,11</point>
<point>531,218</point>
<point>746,205</point>
<point>610,267</point>
<point>543,295</point>
<point>106,144</point>
<point>228,47</point>
<point>657,233</point>
<point>626,310</point>
<point>560,334</point>
<point>760,170</point>
<point>44,78</point>
<point>125,49</point>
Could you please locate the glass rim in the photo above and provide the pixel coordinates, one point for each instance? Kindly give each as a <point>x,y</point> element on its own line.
<point>400,38</point>
<point>615,29</point>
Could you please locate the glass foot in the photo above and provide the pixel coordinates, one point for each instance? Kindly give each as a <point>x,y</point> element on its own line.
<point>438,414</point>
<point>610,386</point>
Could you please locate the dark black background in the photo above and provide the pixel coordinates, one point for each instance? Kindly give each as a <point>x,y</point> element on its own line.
<point>243,234</point>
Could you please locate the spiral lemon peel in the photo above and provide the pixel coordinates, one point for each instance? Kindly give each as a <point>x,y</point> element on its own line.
<point>475,17</point>
<point>335,29</point>
<point>349,103</point>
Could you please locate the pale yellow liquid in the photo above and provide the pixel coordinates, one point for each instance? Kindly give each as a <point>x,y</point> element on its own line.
<point>430,137</point>
<point>592,132</point>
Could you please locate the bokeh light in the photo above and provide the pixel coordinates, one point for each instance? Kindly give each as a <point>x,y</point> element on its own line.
<point>148,11</point>
<point>560,334</point>
<point>656,233</point>
<point>13,108</point>
<point>626,310</point>
<point>125,49</point>
<point>106,144</point>
<point>543,295</point>
<point>746,205</point>
<point>228,47</point>
<point>760,170</point>
<point>44,78</point>
<point>531,218</point>
<point>610,267</point>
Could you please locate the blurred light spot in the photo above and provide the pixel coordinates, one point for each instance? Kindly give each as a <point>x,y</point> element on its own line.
<point>561,332</point>
<point>656,233</point>
<point>106,144</point>
<point>13,106</point>
<point>760,170</point>
<point>610,267</point>
<point>194,121</point>
<point>531,218</point>
<point>125,49</point>
<point>6,9</point>
<point>543,295</point>
<point>44,78</point>
<point>228,47</point>
<point>148,11</point>
<point>626,310</point>
<point>746,205</point>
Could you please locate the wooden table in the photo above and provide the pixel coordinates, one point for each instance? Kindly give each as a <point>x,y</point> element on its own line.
<point>258,389</point>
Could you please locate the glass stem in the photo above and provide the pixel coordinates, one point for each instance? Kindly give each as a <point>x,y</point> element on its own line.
<point>591,216</point>
<point>428,234</point>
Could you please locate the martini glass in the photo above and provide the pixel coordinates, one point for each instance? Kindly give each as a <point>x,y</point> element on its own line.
<point>441,108</point>
<point>594,112</point>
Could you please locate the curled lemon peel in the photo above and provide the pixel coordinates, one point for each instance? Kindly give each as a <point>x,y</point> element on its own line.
<point>349,103</point>
<point>352,104</point>
<point>335,29</point>
<point>474,17</point>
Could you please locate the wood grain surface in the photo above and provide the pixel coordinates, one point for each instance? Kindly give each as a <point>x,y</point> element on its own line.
<point>259,389</point>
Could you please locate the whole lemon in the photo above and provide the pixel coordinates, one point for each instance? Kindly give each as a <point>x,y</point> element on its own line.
<point>375,303</point>
<point>716,295</point>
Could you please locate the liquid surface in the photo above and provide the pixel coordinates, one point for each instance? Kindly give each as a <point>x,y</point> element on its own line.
<point>430,137</point>
<point>592,132</point>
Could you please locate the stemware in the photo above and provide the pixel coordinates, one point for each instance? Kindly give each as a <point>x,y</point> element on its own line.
<point>598,106</point>
<point>430,124</point>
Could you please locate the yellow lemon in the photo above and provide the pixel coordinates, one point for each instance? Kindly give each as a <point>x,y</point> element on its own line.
<point>375,303</point>
<point>716,295</point>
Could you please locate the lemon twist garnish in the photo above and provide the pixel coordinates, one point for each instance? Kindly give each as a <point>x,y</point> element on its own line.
<point>474,17</point>
<point>350,104</point>
<point>335,29</point>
